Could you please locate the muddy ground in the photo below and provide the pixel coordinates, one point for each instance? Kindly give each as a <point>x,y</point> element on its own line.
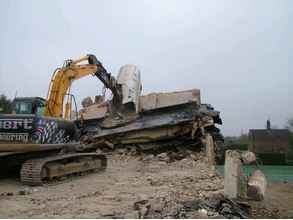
<point>131,187</point>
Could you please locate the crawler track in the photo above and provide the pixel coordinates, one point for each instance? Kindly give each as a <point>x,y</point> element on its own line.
<point>35,171</point>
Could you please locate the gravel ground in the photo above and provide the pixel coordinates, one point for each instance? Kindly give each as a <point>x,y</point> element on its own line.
<point>112,193</point>
<point>131,187</point>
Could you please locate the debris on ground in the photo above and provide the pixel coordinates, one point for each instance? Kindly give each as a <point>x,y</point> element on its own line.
<point>214,207</point>
<point>6,194</point>
<point>134,186</point>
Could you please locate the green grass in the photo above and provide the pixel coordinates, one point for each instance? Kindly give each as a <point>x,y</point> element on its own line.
<point>273,173</point>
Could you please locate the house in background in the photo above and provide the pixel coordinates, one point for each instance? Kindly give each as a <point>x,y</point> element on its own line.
<point>270,145</point>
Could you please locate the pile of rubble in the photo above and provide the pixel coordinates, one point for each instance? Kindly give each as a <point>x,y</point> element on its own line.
<point>155,123</point>
<point>168,156</point>
<point>134,186</point>
<point>179,201</point>
<point>196,196</point>
<point>213,207</point>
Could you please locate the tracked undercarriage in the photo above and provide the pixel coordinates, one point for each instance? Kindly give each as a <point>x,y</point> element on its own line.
<point>41,163</point>
<point>35,171</point>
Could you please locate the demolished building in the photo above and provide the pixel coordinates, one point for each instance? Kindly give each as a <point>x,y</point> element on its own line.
<point>155,122</point>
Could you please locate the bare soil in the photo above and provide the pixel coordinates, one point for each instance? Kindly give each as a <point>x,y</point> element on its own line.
<point>278,202</point>
<point>111,193</point>
<point>123,189</point>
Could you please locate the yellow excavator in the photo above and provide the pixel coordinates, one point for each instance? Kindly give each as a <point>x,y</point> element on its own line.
<point>63,77</point>
<point>40,136</point>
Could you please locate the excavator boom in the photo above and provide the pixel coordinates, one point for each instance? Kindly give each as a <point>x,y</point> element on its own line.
<point>73,70</point>
<point>106,78</point>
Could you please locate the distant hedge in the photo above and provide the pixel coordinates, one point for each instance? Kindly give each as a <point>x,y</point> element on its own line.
<point>5,105</point>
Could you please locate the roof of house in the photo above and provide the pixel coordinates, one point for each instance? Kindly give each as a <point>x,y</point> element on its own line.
<point>281,134</point>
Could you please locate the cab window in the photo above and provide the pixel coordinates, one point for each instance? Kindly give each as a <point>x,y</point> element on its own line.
<point>40,110</point>
<point>23,108</point>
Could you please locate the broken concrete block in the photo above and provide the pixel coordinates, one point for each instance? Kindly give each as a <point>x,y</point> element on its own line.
<point>257,185</point>
<point>86,102</point>
<point>148,157</point>
<point>232,173</point>
<point>210,149</point>
<point>142,206</point>
<point>163,157</point>
<point>248,157</point>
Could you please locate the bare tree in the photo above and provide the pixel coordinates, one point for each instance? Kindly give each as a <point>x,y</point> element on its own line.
<point>289,124</point>
<point>5,104</point>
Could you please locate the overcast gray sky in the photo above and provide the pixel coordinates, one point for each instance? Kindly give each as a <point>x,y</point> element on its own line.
<point>238,53</point>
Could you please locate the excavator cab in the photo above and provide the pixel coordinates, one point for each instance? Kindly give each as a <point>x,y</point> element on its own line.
<point>29,105</point>
<point>28,125</point>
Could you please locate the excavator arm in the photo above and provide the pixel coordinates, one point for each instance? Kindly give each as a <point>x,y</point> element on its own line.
<point>73,70</point>
<point>107,79</point>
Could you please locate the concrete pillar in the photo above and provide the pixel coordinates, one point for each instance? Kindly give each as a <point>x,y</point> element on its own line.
<point>232,173</point>
<point>210,149</point>
<point>235,182</point>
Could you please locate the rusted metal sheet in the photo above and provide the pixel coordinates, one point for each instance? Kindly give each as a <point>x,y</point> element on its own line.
<point>161,100</point>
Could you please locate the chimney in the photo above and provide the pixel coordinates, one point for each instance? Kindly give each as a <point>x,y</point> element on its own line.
<point>268,124</point>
